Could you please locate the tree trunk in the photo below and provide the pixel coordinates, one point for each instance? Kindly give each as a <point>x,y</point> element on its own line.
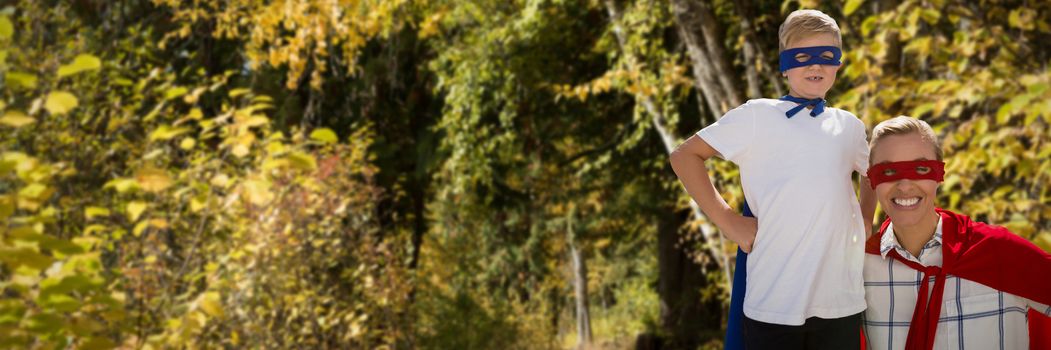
<point>580,285</point>
<point>580,282</point>
<point>683,312</point>
<point>704,43</point>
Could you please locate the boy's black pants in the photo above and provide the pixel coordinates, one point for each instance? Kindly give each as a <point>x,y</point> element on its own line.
<point>815,333</point>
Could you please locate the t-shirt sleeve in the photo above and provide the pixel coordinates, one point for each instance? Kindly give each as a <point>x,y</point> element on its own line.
<point>732,135</point>
<point>861,149</point>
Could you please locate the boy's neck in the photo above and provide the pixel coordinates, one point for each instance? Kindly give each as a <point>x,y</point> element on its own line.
<point>914,237</point>
<point>802,97</point>
<point>793,94</point>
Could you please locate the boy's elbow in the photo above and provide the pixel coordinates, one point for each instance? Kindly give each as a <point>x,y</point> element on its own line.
<point>680,157</point>
<point>677,155</point>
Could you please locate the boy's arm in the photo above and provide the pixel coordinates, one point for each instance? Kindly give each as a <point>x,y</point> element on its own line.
<point>688,163</point>
<point>868,203</point>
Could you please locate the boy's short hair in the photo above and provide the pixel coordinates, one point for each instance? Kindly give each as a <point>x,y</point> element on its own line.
<point>801,23</point>
<point>905,125</point>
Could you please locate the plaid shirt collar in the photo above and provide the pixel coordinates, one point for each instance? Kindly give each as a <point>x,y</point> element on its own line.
<point>889,241</point>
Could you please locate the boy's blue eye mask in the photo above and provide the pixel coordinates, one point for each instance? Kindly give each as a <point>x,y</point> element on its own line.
<point>805,56</point>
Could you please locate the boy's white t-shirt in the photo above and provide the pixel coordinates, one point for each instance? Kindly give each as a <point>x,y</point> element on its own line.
<point>796,172</point>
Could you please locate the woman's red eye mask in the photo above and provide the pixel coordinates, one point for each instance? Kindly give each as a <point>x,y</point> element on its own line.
<point>912,170</point>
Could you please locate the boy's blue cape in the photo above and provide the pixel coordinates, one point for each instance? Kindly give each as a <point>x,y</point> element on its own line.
<point>734,337</point>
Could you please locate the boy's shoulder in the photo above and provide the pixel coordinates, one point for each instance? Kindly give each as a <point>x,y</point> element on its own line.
<point>847,115</point>
<point>841,111</point>
<point>761,105</point>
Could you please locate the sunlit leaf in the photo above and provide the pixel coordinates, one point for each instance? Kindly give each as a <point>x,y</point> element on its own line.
<point>80,63</point>
<point>135,209</point>
<point>6,28</point>
<point>302,161</point>
<point>256,120</point>
<point>93,212</point>
<point>324,135</point>
<point>153,179</point>
<point>187,144</point>
<point>238,92</point>
<point>61,303</point>
<point>35,191</point>
<point>257,191</point>
<point>19,79</point>
<point>60,102</point>
<point>139,228</point>
<point>210,303</point>
<point>165,132</point>
<point>1021,18</point>
<point>24,256</point>
<point>16,119</point>
<point>175,92</point>
<point>122,185</point>
<point>851,6</point>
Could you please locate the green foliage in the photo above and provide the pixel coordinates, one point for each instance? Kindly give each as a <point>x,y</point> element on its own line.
<point>983,84</point>
<point>403,174</point>
<point>142,206</point>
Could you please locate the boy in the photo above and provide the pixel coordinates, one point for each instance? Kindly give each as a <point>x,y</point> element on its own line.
<point>981,279</point>
<point>796,158</point>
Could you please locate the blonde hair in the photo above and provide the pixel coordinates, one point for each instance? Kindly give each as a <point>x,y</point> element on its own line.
<point>905,125</point>
<point>801,23</point>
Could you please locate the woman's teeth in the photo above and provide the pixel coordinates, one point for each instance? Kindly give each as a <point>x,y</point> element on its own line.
<point>906,202</point>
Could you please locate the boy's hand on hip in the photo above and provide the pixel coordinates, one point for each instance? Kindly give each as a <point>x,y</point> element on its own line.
<point>742,230</point>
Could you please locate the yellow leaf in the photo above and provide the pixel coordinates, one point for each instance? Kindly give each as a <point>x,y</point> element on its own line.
<point>91,229</point>
<point>174,92</point>
<point>153,180</point>
<point>240,150</point>
<point>24,80</point>
<point>257,191</point>
<point>325,135</point>
<point>80,63</point>
<point>6,29</point>
<point>35,191</point>
<point>255,121</point>
<point>121,185</point>
<point>159,223</point>
<point>196,204</point>
<point>187,143</point>
<point>92,212</point>
<point>135,209</point>
<point>137,231</point>
<point>302,160</point>
<point>16,119</point>
<point>210,303</point>
<point>165,132</point>
<point>220,180</point>
<point>60,102</point>
<point>238,92</point>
